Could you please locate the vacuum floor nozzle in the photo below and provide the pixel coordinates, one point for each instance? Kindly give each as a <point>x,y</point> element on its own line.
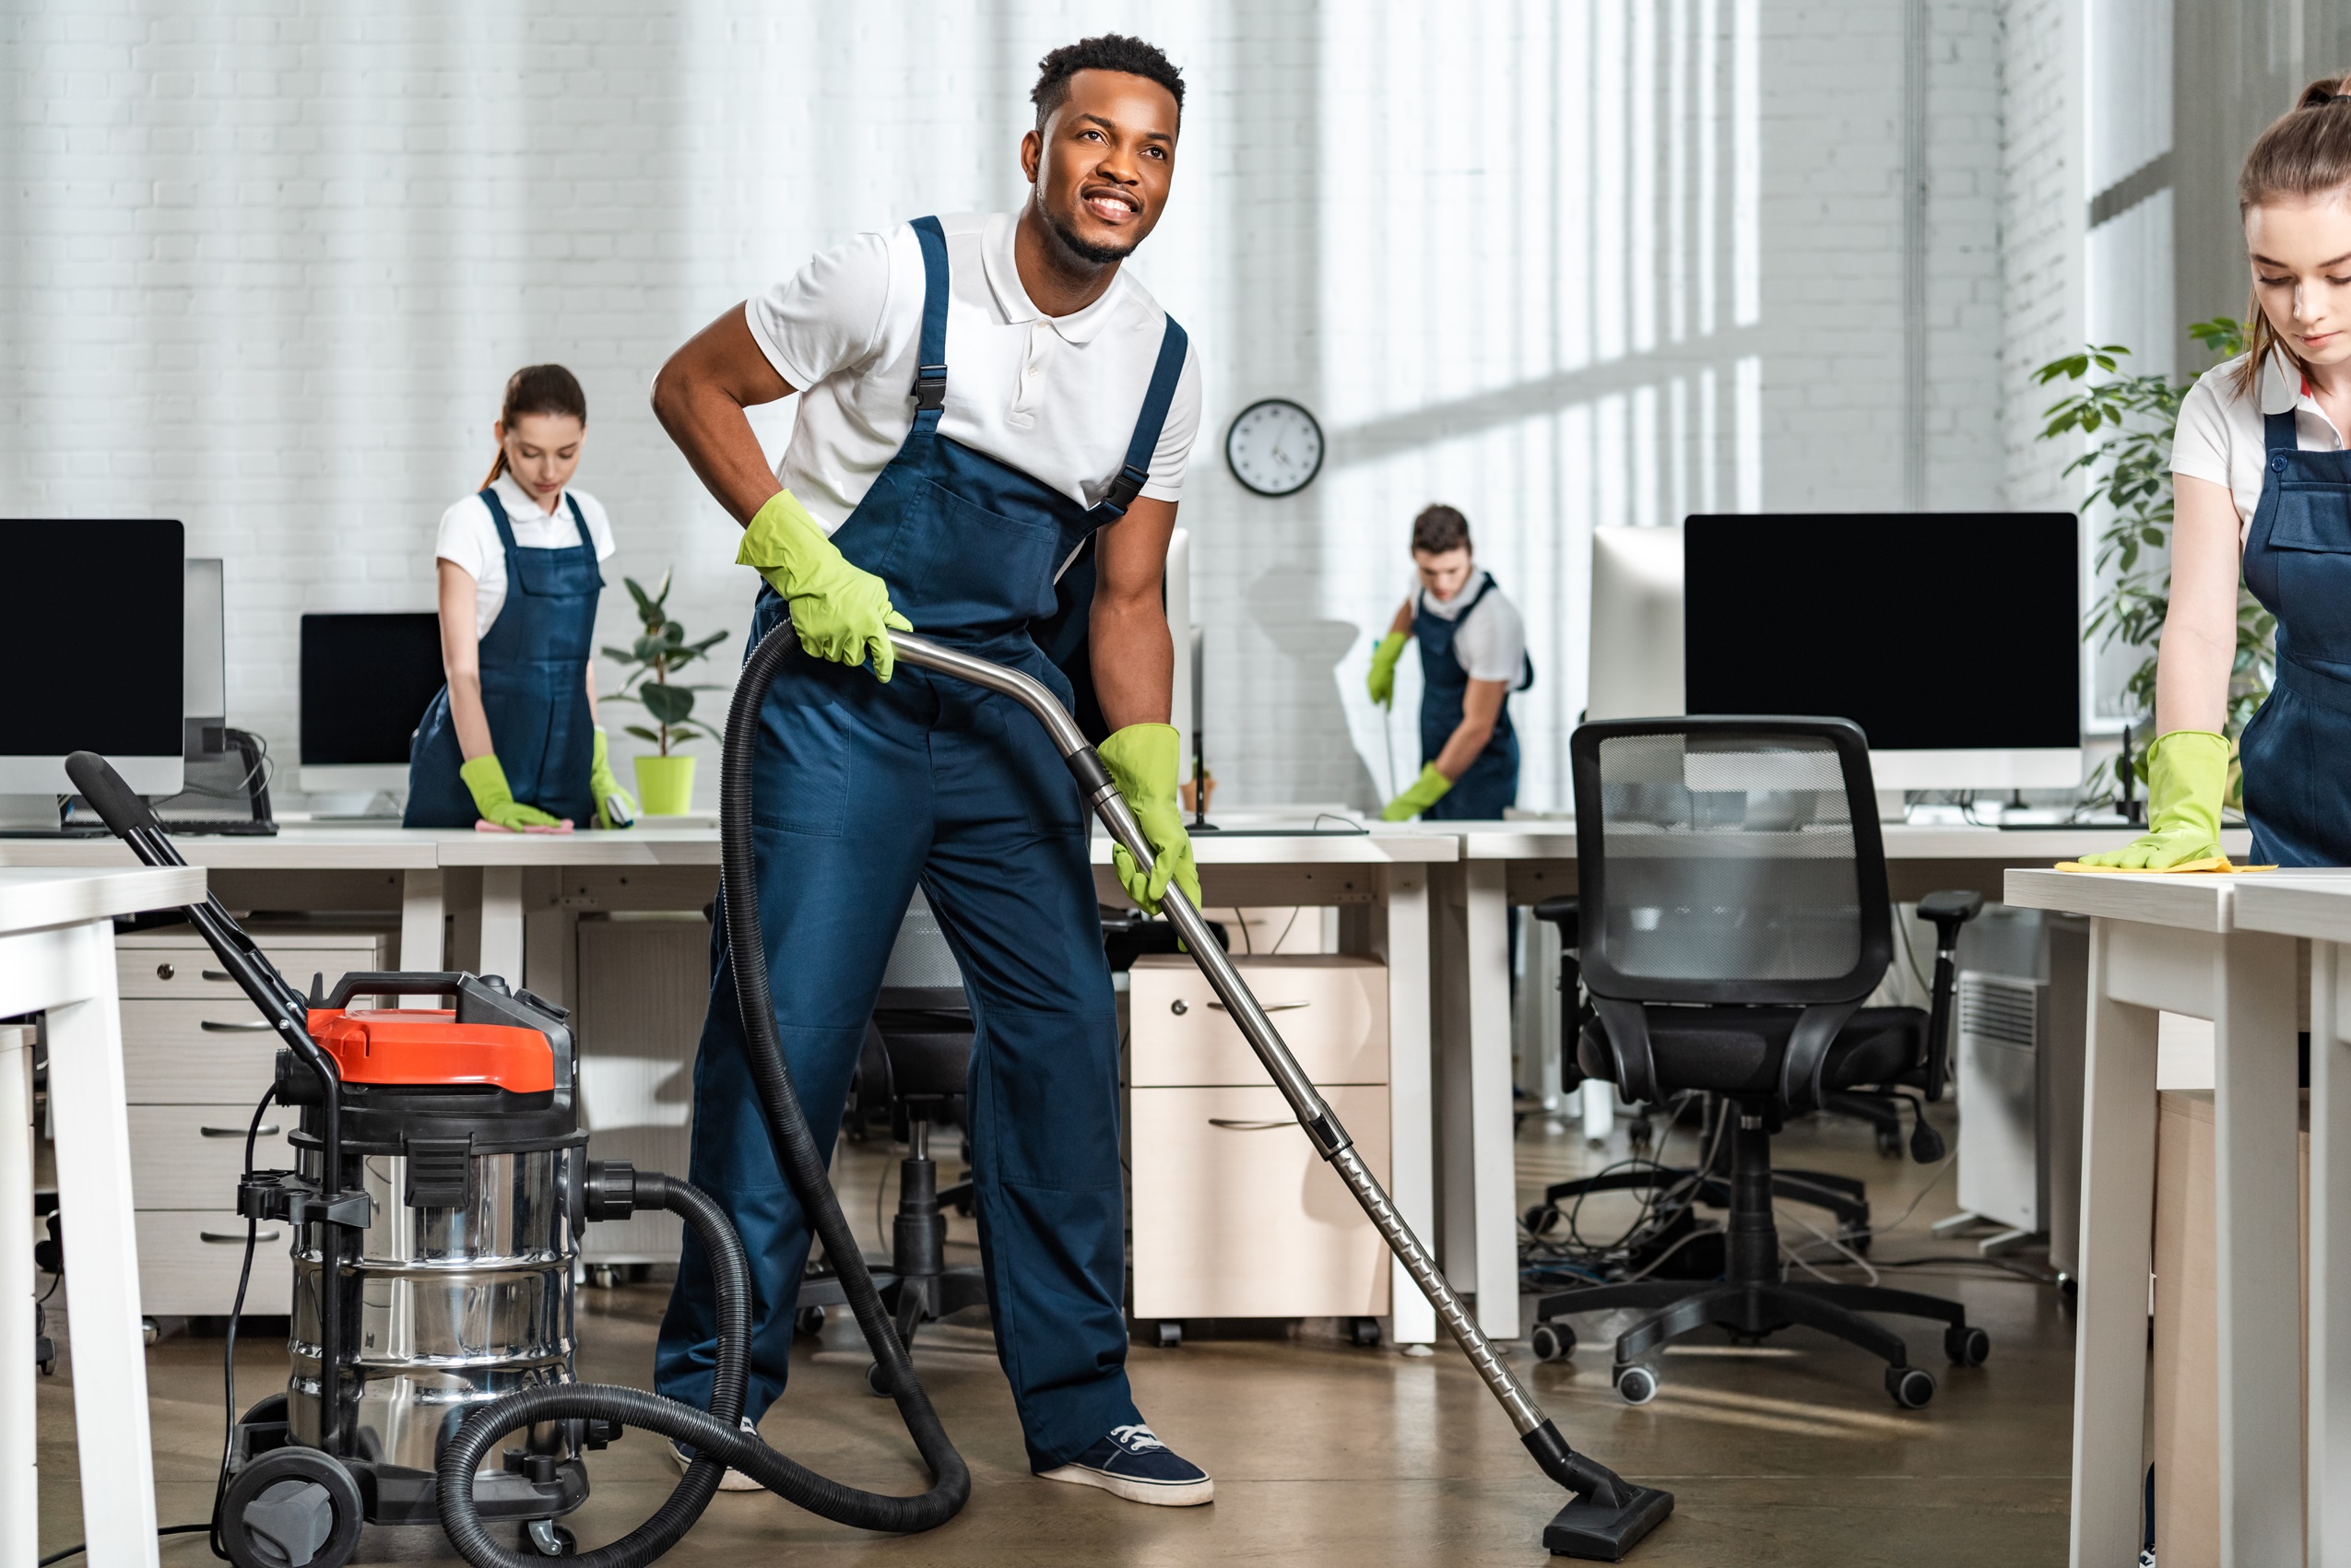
<point>1604,1532</point>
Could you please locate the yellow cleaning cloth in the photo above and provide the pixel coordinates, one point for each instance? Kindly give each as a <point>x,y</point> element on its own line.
<point>2218,863</point>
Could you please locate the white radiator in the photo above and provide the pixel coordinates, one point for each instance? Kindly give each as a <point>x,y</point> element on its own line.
<point>2003,1028</point>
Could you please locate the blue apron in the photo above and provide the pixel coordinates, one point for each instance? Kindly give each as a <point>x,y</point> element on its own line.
<point>1491,781</point>
<point>864,790</point>
<point>534,690</point>
<point>2297,752</point>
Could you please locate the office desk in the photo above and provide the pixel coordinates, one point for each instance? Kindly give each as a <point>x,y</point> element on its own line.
<point>1521,862</point>
<point>516,899</point>
<point>2174,944</point>
<point>57,957</point>
<point>2317,906</point>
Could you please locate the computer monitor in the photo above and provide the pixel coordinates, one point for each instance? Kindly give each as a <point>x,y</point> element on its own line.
<point>367,681</point>
<point>1635,663</point>
<point>1953,639</point>
<point>204,662</point>
<point>93,641</point>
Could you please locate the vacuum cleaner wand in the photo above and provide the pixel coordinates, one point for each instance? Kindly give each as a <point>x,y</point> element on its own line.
<point>1610,1514</point>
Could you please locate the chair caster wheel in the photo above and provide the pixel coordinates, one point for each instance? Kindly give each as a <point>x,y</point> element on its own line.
<point>1551,1341</point>
<point>1966,1346</point>
<point>545,1537</point>
<point>1636,1384</point>
<point>1889,1143</point>
<point>809,1321</point>
<point>1911,1386</point>
<point>1363,1333</point>
<point>877,1381</point>
<point>1539,1219</point>
<point>293,1507</point>
<point>1168,1333</point>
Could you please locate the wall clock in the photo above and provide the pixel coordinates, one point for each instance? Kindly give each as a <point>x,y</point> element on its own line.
<point>1274,447</point>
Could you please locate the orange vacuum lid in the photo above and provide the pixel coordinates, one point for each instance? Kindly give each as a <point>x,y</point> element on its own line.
<point>428,1046</point>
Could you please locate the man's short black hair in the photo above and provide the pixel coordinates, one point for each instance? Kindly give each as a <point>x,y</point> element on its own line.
<point>1440,529</point>
<point>1111,52</point>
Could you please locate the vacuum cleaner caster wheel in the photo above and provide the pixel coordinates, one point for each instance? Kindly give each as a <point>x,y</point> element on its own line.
<point>1966,1346</point>
<point>1551,1341</point>
<point>1911,1386</point>
<point>809,1321</point>
<point>545,1537</point>
<point>293,1507</point>
<point>877,1381</point>
<point>1637,1384</point>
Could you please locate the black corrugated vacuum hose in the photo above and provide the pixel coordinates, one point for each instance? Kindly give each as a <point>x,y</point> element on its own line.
<point>716,1436</point>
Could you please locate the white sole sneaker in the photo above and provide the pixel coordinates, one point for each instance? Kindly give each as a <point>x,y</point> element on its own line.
<point>733,1481</point>
<point>1159,1494</point>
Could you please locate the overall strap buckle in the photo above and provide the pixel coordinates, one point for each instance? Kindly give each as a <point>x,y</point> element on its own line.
<point>1126,488</point>
<point>930,388</point>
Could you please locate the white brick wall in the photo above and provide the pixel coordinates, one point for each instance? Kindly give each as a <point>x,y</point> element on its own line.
<point>264,266</point>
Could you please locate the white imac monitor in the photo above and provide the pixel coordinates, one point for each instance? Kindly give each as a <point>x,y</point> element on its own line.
<point>366,681</point>
<point>94,634</point>
<point>204,660</point>
<point>1635,661</point>
<point>1953,639</point>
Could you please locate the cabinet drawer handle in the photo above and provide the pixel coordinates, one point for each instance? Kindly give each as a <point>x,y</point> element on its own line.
<point>266,1129</point>
<point>237,1238</point>
<point>1266,1006</point>
<point>214,1026</point>
<point>217,974</point>
<point>1229,1124</point>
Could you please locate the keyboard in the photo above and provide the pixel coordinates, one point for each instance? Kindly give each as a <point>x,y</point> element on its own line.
<point>201,827</point>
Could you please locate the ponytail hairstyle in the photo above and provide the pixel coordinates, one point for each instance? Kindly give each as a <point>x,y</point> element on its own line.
<point>536,389</point>
<point>2306,152</point>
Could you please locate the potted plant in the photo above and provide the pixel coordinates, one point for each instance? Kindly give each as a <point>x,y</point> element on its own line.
<point>2131,475</point>
<point>665,781</point>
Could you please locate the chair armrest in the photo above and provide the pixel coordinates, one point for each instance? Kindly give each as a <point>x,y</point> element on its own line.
<point>1949,911</point>
<point>1562,909</point>
<point>1626,1026</point>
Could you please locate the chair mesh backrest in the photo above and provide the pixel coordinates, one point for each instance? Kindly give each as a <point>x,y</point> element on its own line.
<point>920,959</point>
<point>1729,866</point>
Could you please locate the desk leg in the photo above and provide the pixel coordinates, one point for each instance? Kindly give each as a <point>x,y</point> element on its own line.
<point>422,909</point>
<point>502,922</point>
<point>94,1193</point>
<point>2256,1215</point>
<point>2118,1212</point>
<point>1494,1174</point>
<point>19,1480</point>
<point>2329,1500</point>
<point>1412,1174</point>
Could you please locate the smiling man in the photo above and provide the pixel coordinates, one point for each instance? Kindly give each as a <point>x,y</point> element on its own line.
<point>979,397</point>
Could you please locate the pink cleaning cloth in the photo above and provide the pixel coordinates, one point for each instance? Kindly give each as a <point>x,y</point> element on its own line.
<point>486,826</point>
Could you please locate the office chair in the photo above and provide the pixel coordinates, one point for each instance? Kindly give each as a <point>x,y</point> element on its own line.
<point>1734,918</point>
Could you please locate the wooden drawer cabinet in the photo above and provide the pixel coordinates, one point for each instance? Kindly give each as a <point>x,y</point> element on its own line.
<point>1235,1213</point>
<point>196,1057</point>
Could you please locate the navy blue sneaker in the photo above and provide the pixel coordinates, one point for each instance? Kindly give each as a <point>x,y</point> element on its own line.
<point>1134,1464</point>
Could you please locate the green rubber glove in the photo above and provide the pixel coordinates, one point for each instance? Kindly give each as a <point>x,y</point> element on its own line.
<point>2187,773</point>
<point>1383,670</point>
<point>839,611</point>
<point>486,778</point>
<point>1142,760</point>
<point>603,787</point>
<point>1424,793</point>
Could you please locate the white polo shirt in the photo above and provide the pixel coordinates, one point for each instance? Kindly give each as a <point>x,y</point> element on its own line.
<point>471,539</point>
<point>2220,437</point>
<point>1056,397</point>
<point>1491,644</point>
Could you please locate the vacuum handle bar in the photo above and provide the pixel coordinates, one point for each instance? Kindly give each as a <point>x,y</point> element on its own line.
<point>1306,1103</point>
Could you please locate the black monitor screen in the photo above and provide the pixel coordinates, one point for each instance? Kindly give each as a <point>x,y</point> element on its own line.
<point>92,637</point>
<point>367,681</point>
<point>1932,631</point>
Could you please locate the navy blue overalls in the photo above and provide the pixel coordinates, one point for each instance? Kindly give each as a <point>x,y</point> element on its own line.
<point>1491,782</point>
<point>863,792</point>
<point>534,690</point>
<point>2298,563</point>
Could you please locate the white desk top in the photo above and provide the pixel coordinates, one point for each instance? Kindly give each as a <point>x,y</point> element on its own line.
<point>2193,902</point>
<point>35,899</point>
<point>1556,840</point>
<point>2298,903</point>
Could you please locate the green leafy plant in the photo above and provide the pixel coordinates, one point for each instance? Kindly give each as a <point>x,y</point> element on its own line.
<point>2129,473</point>
<point>657,656</point>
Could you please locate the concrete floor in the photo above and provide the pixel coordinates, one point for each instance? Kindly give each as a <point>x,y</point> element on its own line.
<point>1787,1455</point>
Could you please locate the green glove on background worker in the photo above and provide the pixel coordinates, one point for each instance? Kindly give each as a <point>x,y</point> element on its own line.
<point>839,611</point>
<point>2187,779</point>
<point>1142,760</point>
<point>604,788</point>
<point>484,778</point>
<point>1383,666</point>
<point>1422,792</point>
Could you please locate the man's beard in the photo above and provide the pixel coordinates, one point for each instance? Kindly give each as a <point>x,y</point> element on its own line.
<point>1085,250</point>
